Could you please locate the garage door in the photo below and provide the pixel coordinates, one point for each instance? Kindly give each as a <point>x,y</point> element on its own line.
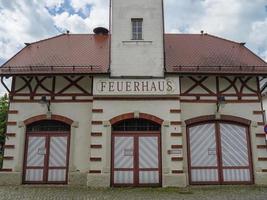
<point>136,160</point>
<point>219,153</point>
<point>46,153</point>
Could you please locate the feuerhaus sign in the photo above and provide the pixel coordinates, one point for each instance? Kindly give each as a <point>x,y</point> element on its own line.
<point>135,86</point>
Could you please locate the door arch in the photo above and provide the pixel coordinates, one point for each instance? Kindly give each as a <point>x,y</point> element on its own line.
<point>136,153</point>
<point>46,155</point>
<point>219,150</point>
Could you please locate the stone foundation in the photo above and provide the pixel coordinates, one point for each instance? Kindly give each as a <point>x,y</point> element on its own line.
<point>10,178</point>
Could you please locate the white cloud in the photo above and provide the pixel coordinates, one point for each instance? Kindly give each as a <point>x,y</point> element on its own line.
<point>54,3</point>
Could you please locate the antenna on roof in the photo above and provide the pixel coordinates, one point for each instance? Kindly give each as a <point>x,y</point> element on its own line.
<point>202,32</point>
<point>67,31</point>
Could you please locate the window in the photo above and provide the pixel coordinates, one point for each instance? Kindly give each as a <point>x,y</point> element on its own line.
<point>137,29</point>
<point>48,125</point>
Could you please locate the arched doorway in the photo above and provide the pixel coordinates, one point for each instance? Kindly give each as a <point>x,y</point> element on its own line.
<point>46,156</point>
<point>219,151</point>
<point>136,153</point>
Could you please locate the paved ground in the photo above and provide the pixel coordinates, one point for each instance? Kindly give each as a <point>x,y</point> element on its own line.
<point>84,193</point>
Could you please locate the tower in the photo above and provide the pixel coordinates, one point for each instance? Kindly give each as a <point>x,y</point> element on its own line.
<point>137,30</point>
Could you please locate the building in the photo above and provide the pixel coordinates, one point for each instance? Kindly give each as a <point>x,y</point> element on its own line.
<point>136,107</point>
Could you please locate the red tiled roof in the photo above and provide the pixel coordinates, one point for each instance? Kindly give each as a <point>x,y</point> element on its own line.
<point>194,53</point>
<point>66,53</point>
<point>88,53</point>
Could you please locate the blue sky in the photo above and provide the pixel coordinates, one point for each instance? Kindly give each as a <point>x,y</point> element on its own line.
<point>32,20</point>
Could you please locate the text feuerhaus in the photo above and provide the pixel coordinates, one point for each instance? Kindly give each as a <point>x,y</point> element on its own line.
<point>155,86</point>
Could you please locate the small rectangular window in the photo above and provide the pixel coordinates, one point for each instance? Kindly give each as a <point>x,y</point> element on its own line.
<point>137,29</point>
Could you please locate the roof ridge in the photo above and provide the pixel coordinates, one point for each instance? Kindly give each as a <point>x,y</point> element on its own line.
<point>221,38</point>
<point>50,38</point>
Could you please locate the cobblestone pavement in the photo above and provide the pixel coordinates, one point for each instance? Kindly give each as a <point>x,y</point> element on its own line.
<point>84,193</point>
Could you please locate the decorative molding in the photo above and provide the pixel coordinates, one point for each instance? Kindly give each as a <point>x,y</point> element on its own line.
<point>136,98</point>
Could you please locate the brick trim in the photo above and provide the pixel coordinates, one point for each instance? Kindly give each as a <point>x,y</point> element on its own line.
<point>176,134</point>
<point>11,134</point>
<point>96,146</point>
<point>260,123</point>
<point>97,122</point>
<point>262,159</point>
<point>258,112</point>
<point>175,111</point>
<point>95,159</point>
<point>261,146</point>
<point>177,146</point>
<point>97,110</point>
<point>260,135</point>
<point>44,117</point>
<point>174,123</point>
<point>11,123</point>
<point>213,118</point>
<point>177,171</point>
<point>5,170</point>
<point>177,158</point>
<point>95,171</point>
<point>131,116</point>
<point>8,158</point>
<point>9,146</point>
<point>13,112</point>
<point>96,134</point>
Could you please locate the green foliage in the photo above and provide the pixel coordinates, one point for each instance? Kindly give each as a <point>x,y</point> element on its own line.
<point>3,120</point>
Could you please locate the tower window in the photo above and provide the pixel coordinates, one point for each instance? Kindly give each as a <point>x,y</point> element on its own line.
<point>137,28</point>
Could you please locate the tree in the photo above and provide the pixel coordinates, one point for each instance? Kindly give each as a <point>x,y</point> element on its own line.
<point>3,120</point>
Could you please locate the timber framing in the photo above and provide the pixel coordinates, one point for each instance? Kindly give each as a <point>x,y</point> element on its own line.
<point>233,88</point>
<point>52,86</point>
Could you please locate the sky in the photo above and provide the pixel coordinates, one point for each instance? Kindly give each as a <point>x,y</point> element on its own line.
<point>32,20</point>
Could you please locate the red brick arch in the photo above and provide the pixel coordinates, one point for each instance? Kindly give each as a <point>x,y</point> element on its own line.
<point>131,116</point>
<point>44,117</point>
<point>228,118</point>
